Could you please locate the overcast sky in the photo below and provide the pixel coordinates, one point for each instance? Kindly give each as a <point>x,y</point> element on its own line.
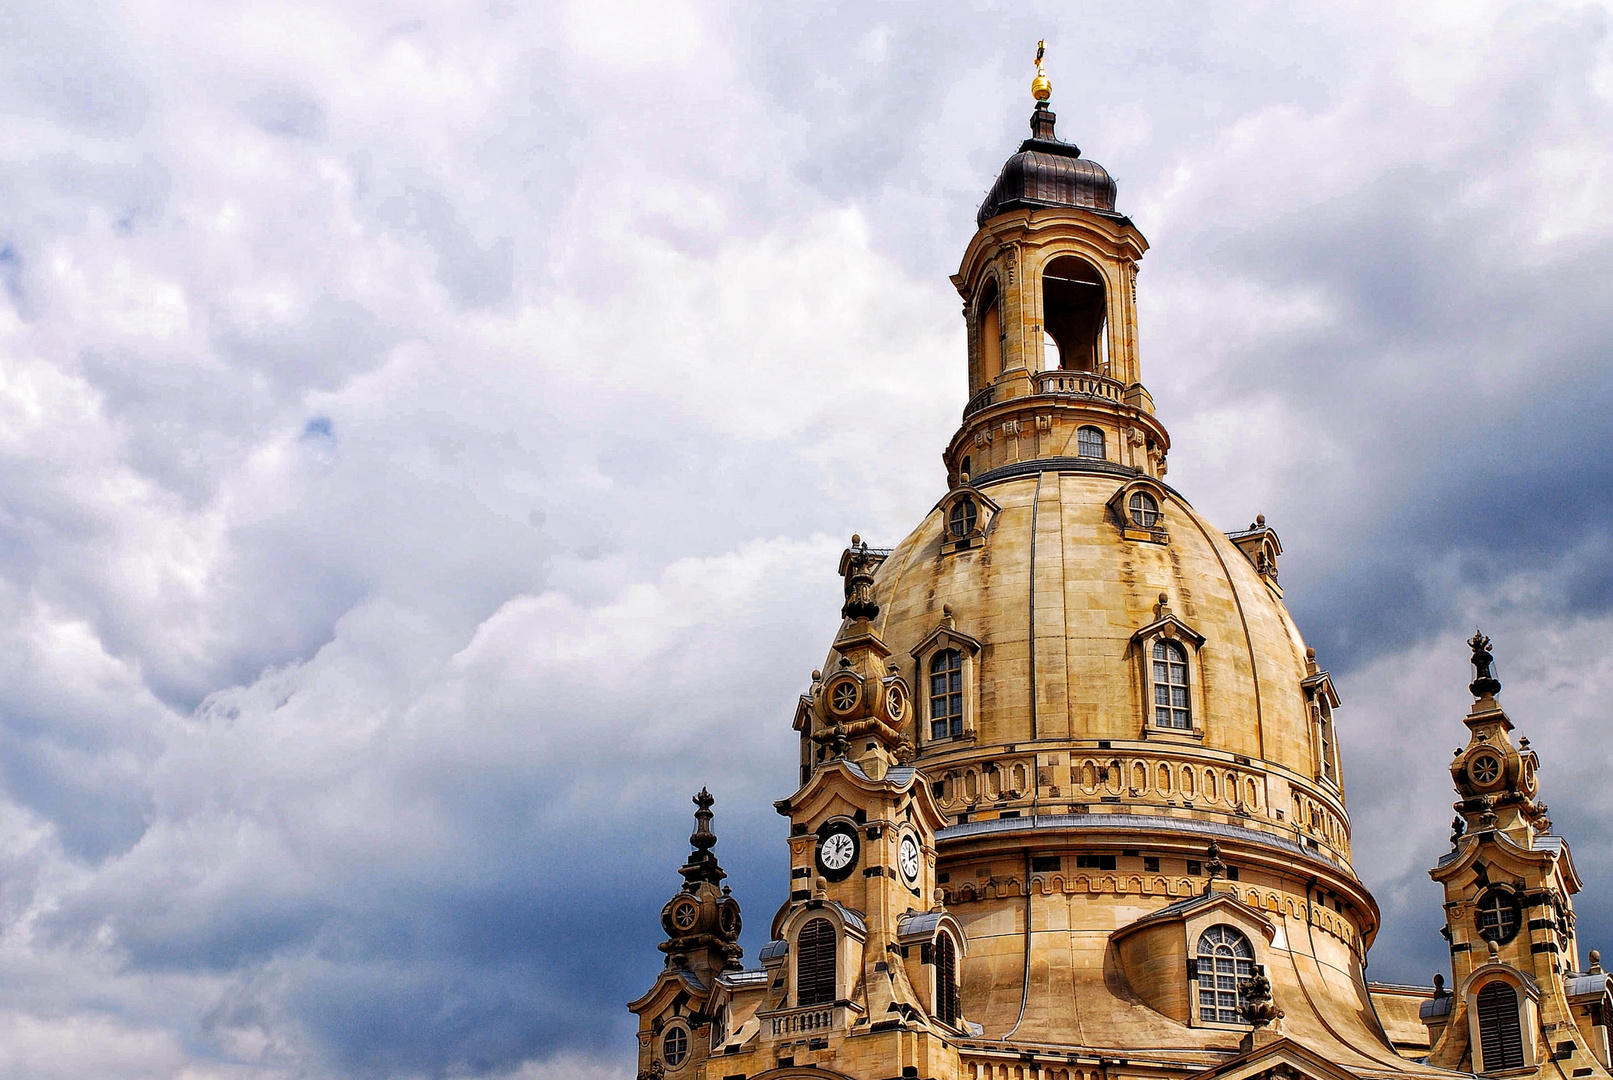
<point>427,432</point>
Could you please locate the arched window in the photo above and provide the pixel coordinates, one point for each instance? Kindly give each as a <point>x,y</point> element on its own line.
<point>1324,739</point>
<point>964,468</point>
<point>963,518</point>
<point>675,1046</point>
<point>1089,443</point>
<point>1171,709</point>
<point>1073,308</point>
<point>815,963</point>
<point>1500,1036</point>
<point>1225,961</point>
<point>946,694</point>
<point>946,979</point>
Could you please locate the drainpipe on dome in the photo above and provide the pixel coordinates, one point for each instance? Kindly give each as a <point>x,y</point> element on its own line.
<point>1025,981</point>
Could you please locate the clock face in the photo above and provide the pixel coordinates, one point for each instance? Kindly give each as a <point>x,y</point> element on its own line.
<point>838,851</point>
<point>683,916</point>
<point>907,855</point>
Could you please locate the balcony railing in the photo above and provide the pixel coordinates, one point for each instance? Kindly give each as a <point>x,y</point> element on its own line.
<point>811,1018</point>
<point>978,402</point>
<point>1080,384</point>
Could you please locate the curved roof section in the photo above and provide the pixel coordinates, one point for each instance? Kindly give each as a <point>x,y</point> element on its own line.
<point>1046,171</point>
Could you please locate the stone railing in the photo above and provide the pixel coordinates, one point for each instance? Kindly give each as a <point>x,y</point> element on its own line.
<point>1084,778</point>
<point>810,1018</point>
<point>1080,384</point>
<point>979,401</point>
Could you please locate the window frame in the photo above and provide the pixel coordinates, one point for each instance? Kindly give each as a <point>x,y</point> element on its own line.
<point>1526,992</point>
<point>1196,986</point>
<point>944,637</point>
<point>1178,693</point>
<point>954,676</point>
<point>686,1051</point>
<point>947,993</point>
<point>1169,628</point>
<point>798,954</point>
<point>1102,441</point>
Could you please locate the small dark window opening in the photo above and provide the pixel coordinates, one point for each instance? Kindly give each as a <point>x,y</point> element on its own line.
<point>1094,862</point>
<point>1089,443</point>
<point>1046,864</point>
<point>946,694</point>
<point>964,517</point>
<point>1500,1037</point>
<point>946,980</point>
<point>815,963</point>
<point>964,468</point>
<point>1194,867</point>
<point>1151,864</point>
<point>1073,307</point>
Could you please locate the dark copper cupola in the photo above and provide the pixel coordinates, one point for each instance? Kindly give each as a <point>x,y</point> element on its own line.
<point>1048,172</point>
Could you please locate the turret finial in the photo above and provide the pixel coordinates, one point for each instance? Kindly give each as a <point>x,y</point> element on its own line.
<point>702,864</point>
<point>1041,86</point>
<point>1486,684</point>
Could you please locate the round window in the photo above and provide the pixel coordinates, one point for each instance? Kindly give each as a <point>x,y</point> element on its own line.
<point>895,703</point>
<point>964,517</point>
<point>675,1046</point>
<point>843,698</point>
<point>1144,509</point>
<point>1485,769</point>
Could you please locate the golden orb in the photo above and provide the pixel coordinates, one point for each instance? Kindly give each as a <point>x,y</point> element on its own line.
<point>1041,86</point>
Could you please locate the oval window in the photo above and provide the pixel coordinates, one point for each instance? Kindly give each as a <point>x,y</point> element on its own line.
<point>675,1046</point>
<point>964,517</point>
<point>1144,509</point>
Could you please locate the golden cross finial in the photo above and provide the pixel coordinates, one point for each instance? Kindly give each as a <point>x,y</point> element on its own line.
<point>1041,88</point>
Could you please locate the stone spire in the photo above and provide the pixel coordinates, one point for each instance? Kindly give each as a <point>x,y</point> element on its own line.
<point>702,864</point>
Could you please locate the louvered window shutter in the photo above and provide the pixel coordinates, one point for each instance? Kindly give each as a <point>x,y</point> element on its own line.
<point>1500,1040</point>
<point>815,964</point>
<point>946,980</point>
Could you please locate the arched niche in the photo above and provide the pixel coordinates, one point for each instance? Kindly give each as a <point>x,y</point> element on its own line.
<point>989,323</point>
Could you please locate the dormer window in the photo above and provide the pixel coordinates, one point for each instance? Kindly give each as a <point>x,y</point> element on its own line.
<point>1171,708</point>
<point>1225,961</point>
<point>964,517</point>
<point>946,694</point>
<point>1089,443</point>
<point>1144,509</point>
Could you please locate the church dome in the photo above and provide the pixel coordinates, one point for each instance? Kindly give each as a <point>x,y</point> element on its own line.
<point>1045,172</point>
<point>1063,611</point>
